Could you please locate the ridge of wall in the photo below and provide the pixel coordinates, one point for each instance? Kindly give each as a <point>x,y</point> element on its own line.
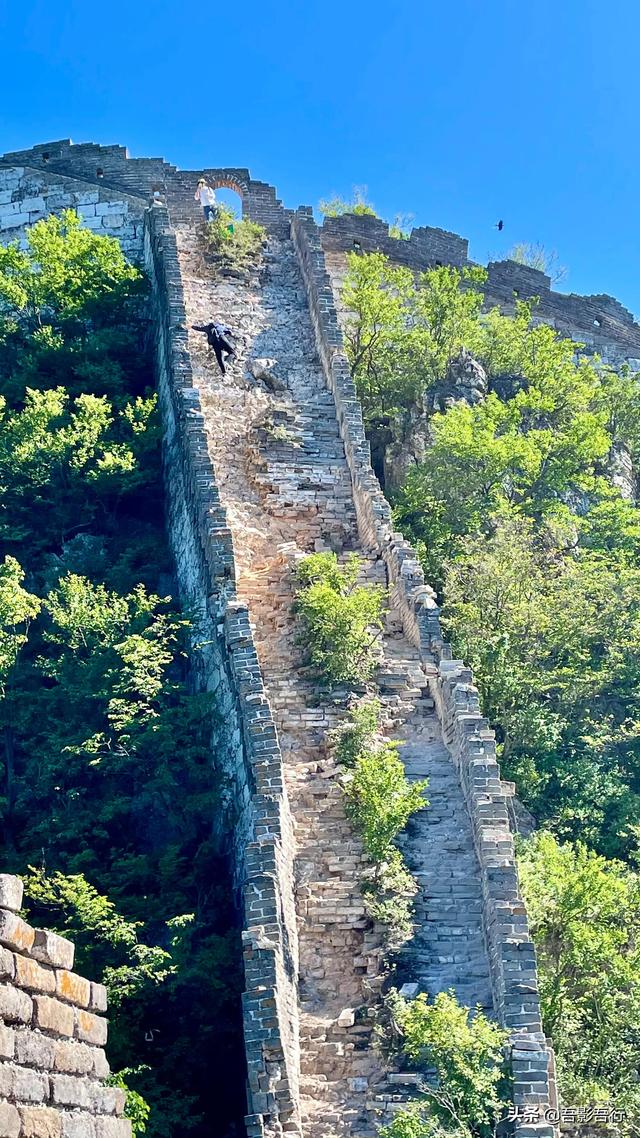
<point>112,168</point>
<point>601,321</point>
<point>467,734</point>
<point>244,735</point>
<point>52,1062</point>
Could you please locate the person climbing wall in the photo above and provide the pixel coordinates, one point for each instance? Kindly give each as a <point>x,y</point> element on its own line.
<point>218,339</point>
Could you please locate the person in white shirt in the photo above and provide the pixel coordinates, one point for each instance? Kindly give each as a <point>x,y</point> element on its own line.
<point>205,195</point>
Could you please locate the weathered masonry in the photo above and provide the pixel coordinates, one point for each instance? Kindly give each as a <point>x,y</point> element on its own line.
<point>52,1037</point>
<point>253,480</point>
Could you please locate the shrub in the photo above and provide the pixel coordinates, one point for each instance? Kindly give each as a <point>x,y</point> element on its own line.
<point>337,206</point>
<point>417,1122</point>
<point>388,898</point>
<point>235,244</point>
<point>466,1054</point>
<point>357,733</point>
<point>342,621</point>
<point>380,800</point>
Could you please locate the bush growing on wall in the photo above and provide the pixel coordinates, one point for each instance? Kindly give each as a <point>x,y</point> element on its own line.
<point>342,620</point>
<point>466,1053</point>
<point>380,798</point>
<point>236,244</point>
<point>380,801</point>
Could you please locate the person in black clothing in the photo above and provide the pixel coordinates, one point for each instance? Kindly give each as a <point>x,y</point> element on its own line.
<point>218,339</point>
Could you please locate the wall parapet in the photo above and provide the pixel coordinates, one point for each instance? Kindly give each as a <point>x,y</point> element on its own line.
<point>113,169</point>
<point>247,750</point>
<point>52,1061</point>
<point>467,734</point>
<point>601,322</point>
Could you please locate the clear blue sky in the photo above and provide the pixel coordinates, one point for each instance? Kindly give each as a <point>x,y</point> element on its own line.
<point>459,111</point>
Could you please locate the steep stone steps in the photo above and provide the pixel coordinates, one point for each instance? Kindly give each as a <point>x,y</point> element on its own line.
<point>284,500</point>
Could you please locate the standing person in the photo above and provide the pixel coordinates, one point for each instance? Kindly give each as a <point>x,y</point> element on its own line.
<point>205,195</point>
<point>218,339</point>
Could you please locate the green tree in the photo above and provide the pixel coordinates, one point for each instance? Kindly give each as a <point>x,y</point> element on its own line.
<point>584,913</point>
<point>17,609</point>
<point>65,272</point>
<point>399,335</point>
<point>107,777</point>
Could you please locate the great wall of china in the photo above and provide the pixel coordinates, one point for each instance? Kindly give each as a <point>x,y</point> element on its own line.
<point>242,505</point>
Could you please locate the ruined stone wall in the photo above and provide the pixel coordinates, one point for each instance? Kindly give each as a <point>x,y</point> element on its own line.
<point>52,1037</point>
<point>245,744</point>
<point>600,322</point>
<point>244,739</point>
<point>115,172</point>
<point>28,194</point>
<point>471,742</point>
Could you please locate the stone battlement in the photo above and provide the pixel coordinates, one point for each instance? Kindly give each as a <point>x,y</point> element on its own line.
<point>600,322</point>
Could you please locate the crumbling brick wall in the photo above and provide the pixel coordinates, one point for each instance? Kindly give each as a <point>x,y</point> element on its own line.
<point>52,1036</point>
<point>600,322</point>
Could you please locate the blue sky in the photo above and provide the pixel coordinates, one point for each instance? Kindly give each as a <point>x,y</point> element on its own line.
<point>459,112</point>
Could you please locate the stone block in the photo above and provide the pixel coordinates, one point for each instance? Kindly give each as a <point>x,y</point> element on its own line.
<point>33,1048</point>
<point>108,1100</point>
<point>112,220</point>
<point>72,1058</point>
<point>98,1000</point>
<point>7,966</point>
<point>15,1006</point>
<point>66,1090</point>
<point>73,988</point>
<point>49,948</point>
<point>40,1122</point>
<point>77,1124</point>
<point>14,220</point>
<point>11,890</point>
<point>15,933</point>
<point>111,207</point>
<point>91,1028</point>
<point>33,205</point>
<point>31,975</point>
<point>29,1086</point>
<point>101,1068</point>
<point>52,1015</point>
<point>113,1128</point>
<point>7,1043</point>
<point>9,1121</point>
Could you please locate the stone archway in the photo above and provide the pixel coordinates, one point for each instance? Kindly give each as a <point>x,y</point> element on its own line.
<point>236,186</point>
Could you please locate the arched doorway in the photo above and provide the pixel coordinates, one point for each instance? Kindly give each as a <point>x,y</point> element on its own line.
<point>228,194</point>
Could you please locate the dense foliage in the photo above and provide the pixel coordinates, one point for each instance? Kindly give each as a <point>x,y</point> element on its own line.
<point>515,506</point>
<point>585,918</point>
<point>341,619</point>
<point>465,1053</point>
<point>107,788</point>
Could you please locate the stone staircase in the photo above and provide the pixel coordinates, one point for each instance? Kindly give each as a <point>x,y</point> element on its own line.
<point>283,479</point>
